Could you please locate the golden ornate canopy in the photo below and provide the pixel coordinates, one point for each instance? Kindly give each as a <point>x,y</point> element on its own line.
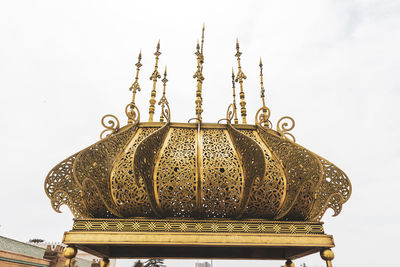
<point>181,170</point>
<point>213,185</point>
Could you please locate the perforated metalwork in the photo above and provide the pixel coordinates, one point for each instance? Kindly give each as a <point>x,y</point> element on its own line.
<point>144,161</point>
<point>61,188</point>
<point>96,162</point>
<point>301,166</point>
<point>267,195</point>
<point>176,176</point>
<point>252,162</point>
<point>129,193</point>
<point>222,177</point>
<point>183,171</point>
<point>93,200</point>
<point>334,190</point>
<point>64,183</point>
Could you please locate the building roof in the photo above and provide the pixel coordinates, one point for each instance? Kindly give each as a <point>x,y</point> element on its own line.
<point>18,247</point>
<point>11,245</point>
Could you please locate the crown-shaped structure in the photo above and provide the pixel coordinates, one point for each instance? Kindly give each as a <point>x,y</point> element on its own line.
<point>198,170</point>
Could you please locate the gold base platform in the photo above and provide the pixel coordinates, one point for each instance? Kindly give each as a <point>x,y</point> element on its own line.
<point>189,238</point>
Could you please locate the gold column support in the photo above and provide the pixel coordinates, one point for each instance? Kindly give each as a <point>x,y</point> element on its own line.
<point>69,253</point>
<point>163,99</point>
<point>289,263</point>
<point>105,262</point>
<point>239,78</point>
<point>234,99</point>
<point>156,75</point>
<point>135,86</point>
<point>327,255</point>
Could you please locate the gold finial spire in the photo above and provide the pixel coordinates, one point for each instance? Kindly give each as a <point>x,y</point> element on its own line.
<point>262,88</point>
<point>135,86</point>
<point>199,75</point>
<point>156,75</point>
<point>239,78</point>
<point>163,99</point>
<point>234,98</point>
<point>201,48</point>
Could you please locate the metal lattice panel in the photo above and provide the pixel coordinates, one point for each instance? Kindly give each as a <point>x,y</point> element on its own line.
<point>176,176</point>
<point>129,193</point>
<point>221,175</point>
<point>213,172</point>
<point>268,193</point>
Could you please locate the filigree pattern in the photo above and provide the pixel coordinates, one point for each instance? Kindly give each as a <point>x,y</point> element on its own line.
<point>303,202</point>
<point>61,188</point>
<point>222,177</point>
<point>300,164</point>
<point>94,201</point>
<point>181,171</point>
<point>96,162</point>
<point>129,193</point>
<point>267,194</point>
<point>144,162</point>
<point>334,190</point>
<point>176,177</point>
<point>253,163</point>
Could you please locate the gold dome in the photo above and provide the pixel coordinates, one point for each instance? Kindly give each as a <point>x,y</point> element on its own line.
<point>197,170</point>
<point>177,170</point>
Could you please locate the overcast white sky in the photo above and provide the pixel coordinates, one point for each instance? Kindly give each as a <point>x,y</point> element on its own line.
<point>332,65</point>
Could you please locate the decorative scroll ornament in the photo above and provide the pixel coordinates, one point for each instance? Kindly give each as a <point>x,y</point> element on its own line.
<point>111,123</point>
<point>283,127</point>
<point>133,113</point>
<point>262,117</point>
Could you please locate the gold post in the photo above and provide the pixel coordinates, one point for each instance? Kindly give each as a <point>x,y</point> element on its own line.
<point>199,75</point>
<point>163,99</point>
<point>69,253</point>
<point>289,263</point>
<point>135,86</point>
<point>234,99</point>
<point>262,89</point>
<point>240,77</point>
<point>156,75</point>
<point>327,255</point>
<point>105,262</point>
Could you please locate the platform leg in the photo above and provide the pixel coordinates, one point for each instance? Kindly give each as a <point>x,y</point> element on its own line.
<point>327,255</point>
<point>289,263</point>
<point>69,253</point>
<point>105,262</point>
